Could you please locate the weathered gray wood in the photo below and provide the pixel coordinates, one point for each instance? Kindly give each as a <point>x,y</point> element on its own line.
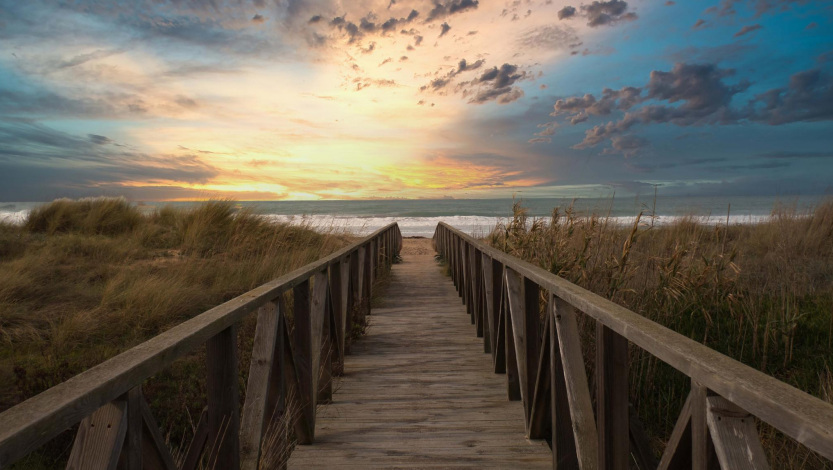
<point>488,302</point>
<point>256,413</point>
<point>223,401</point>
<point>155,453</point>
<point>734,435</point>
<point>477,279</point>
<point>513,379</point>
<point>131,455</point>
<point>532,340</point>
<point>677,455</point>
<point>318,315</point>
<point>578,393</point>
<point>100,438</point>
<point>500,334</point>
<point>612,412</point>
<point>326,350</point>
<point>797,414</point>
<point>700,439</point>
<point>540,412</point>
<point>305,352</point>
<point>518,316</point>
<point>563,443</point>
<point>40,418</point>
<point>498,351</point>
<point>417,390</point>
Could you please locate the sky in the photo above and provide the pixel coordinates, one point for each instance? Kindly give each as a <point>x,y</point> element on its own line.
<point>365,99</point>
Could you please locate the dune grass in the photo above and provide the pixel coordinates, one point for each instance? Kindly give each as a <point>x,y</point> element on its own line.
<point>762,294</point>
<point>81,281</point>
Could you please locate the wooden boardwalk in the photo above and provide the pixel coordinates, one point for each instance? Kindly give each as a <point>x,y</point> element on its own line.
<point>419,391</point>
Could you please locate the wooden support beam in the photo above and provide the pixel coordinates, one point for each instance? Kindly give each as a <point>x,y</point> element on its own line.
<point>256,411</point>
<point>541,412</point>
<point>500,331</point>
<point>155,453</point>
<point>488,303</point>
<point>701,445</point>
<point>100,438</point>
<point>131,458</point>
<point>677,455</point>
<point>518,324</point>
<point>532,339</point>
<point>304,347</point>
<point>338,296</point>
<point>223,399</point>
<point>318,317</point>
<point>477,279</point>
<point>513,370</point>
<point>578,393</point>
<point>195,448</point>
<point>612,414</point>
<point>734,435</point>
<point>564,454</point>
<point>327,349</point>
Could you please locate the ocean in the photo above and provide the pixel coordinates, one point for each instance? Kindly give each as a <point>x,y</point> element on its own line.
<point>419,217</point>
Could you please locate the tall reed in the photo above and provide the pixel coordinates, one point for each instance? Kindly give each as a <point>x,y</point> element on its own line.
<point>760,293</point>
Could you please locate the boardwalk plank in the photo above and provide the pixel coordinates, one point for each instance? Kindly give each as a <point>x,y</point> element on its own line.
<point>418,391</point>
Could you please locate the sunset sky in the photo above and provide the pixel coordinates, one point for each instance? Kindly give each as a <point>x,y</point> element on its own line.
<point>291,99</point>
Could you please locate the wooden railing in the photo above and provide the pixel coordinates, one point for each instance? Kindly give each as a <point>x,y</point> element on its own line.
<point>117,427</point>
<point>545,369</point>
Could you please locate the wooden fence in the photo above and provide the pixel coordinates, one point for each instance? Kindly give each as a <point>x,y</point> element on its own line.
<point>545,370</point>
<point>117,428</point>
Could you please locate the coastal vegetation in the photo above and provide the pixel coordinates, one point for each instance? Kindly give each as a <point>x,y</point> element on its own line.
<point>83,280</point>
<point>760,293</point>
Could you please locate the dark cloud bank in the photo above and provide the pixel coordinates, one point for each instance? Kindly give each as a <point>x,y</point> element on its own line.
<point>692,95</point>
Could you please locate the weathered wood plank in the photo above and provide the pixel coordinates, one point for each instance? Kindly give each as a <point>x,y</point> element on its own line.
<point>155,453</point>
<point>256,413</point>
<point>612,399</point>
<point>700,439</point>
<point>305,350</point>
<point>564,454</point>
<point>578,392</point>
<point>734,435</point>
<point>131,458</point>
<point>100,438</point>
<point>417,390</point>
<point>223,401</point>
<point>677,455</point>
<point>541,413</point>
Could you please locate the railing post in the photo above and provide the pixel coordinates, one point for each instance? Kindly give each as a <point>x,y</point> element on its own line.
<point>499,317</point>
<point>612,398</point>
<point>223,400</point>
<point>322,313</point>
<point>700,442</point>
<point>133,440</point>
<point>367,282</point>
<point>512,317</point>
<point>338,295</point>
<point>303,357</point>
<point>532,323</point>
<point>353,298</point>
<point>563,442</point>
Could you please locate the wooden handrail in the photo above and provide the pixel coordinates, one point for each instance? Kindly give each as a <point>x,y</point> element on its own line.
<point>32,423</point>
<point>797,414</point>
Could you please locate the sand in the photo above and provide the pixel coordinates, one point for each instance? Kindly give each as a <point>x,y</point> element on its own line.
<point>417,246</point>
